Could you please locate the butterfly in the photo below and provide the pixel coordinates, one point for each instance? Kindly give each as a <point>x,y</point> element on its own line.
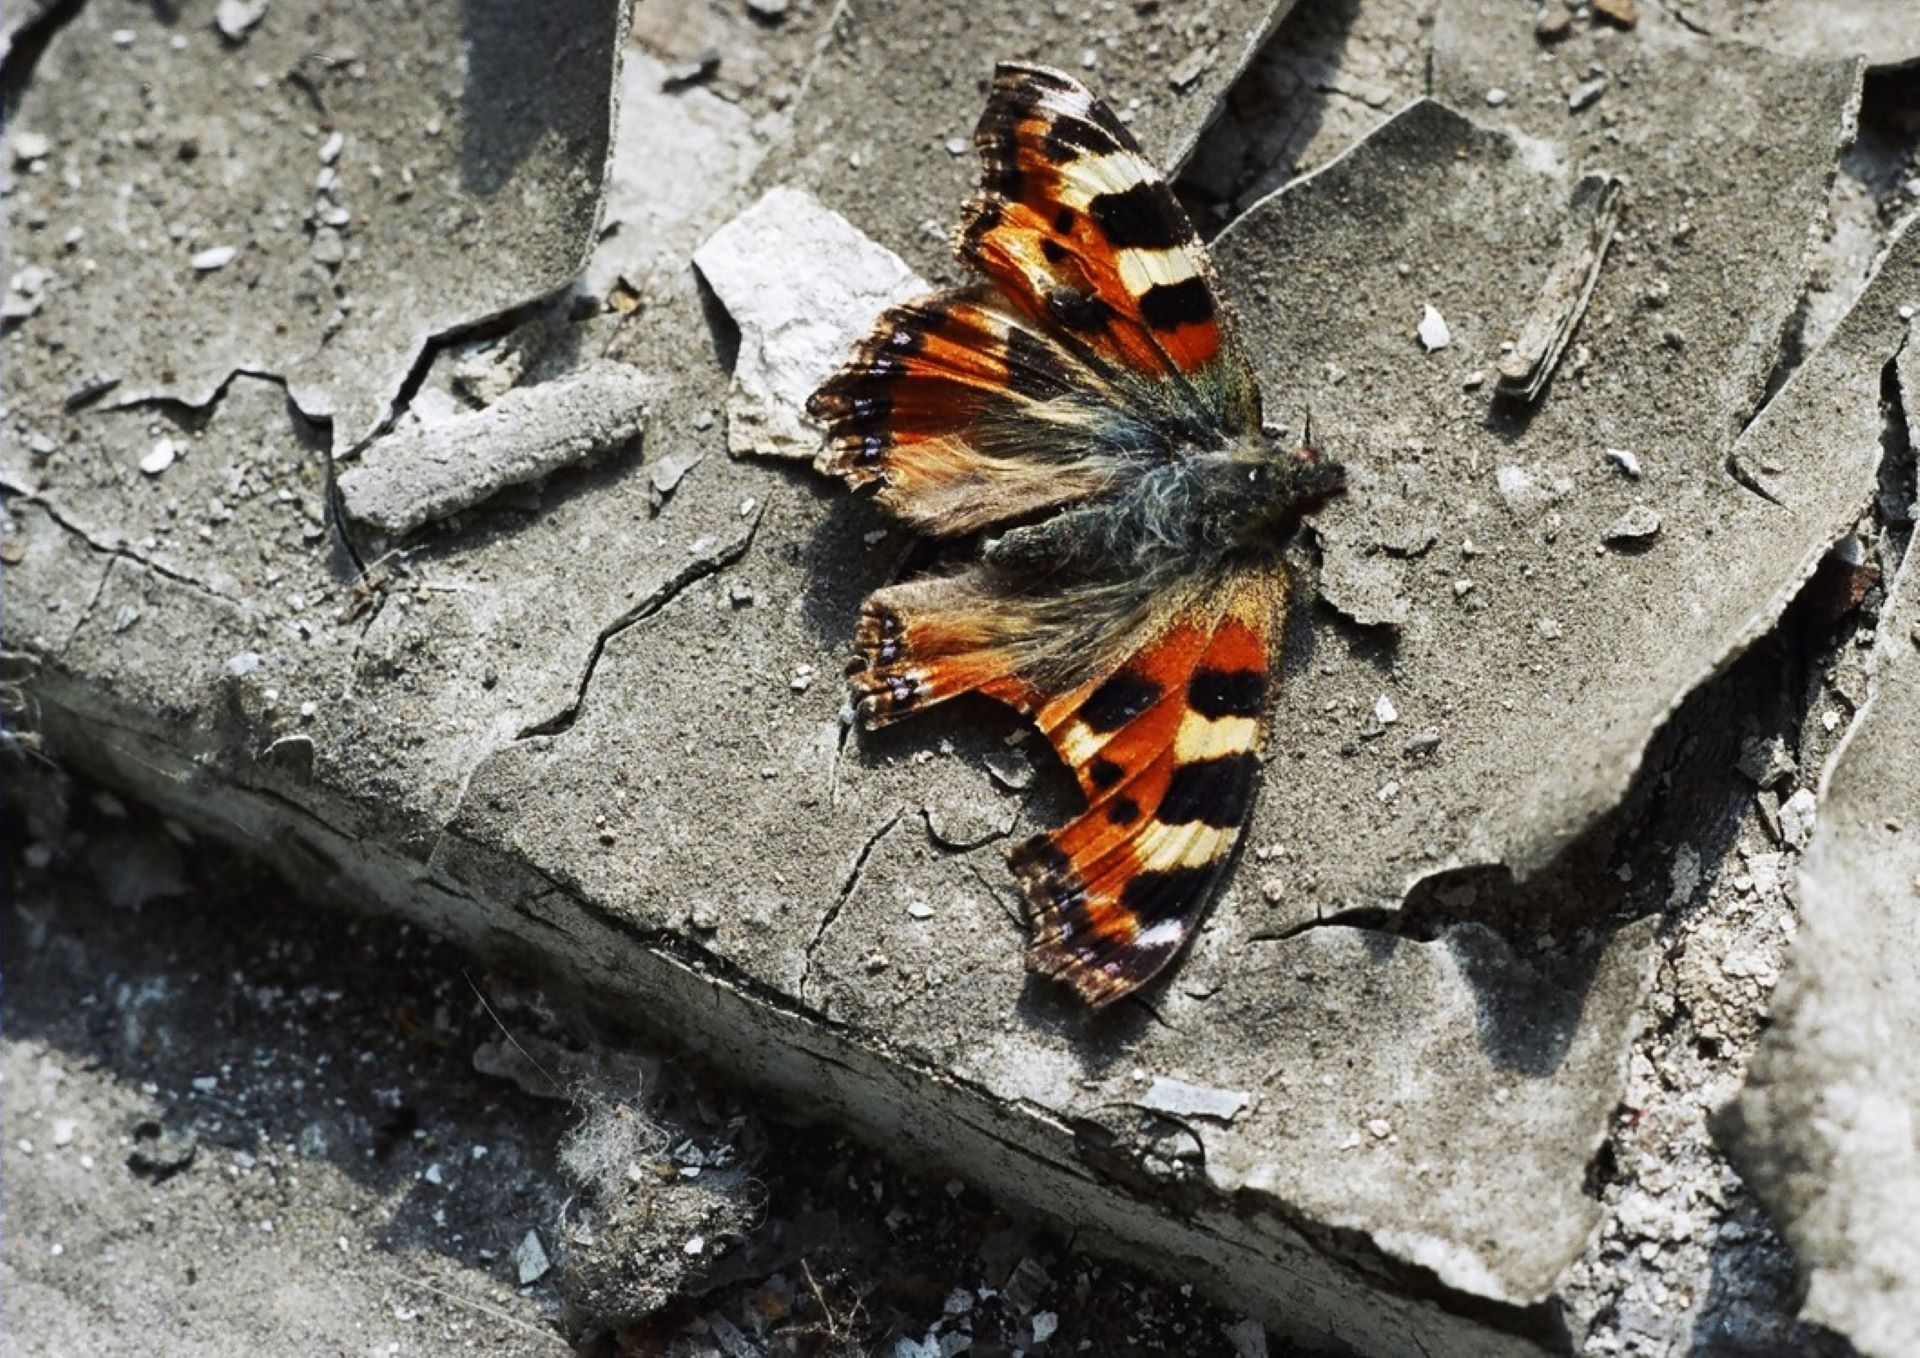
<point>1086,409</point>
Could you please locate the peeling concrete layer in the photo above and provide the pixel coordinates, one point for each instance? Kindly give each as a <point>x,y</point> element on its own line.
<point>1825,1128</point>
<point>420,474</point>
<point>902,177</point>
<point>316,201</point>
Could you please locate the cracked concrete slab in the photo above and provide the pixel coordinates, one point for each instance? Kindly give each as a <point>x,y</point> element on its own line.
<point>1825,1127</point>
<point>902,176</point>
<point>1333,72</point>
<point>317,202</point>
<point>1542,657</point>
<point>598,725</point>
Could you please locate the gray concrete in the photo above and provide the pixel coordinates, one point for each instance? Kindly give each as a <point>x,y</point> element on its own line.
<point>595,722</point>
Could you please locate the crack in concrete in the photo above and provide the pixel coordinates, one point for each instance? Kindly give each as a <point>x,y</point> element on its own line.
<point>847,889</point>
<point>123,553</point>
<point>695,571</point>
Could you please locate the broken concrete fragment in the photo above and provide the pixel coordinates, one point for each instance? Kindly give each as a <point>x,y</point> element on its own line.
<point>1182,1099</point>
<point>1824,1129</point>
<point>1526,368</point>
<point>1797,816</point>
<point>417,475</point>
<point>1638,524</point>
<point>1765,761</point>
<point>798,321</point>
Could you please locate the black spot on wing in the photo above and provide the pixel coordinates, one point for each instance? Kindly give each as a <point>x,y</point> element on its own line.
<point>1078,310</point>
<point>1123,811</point>
<point>1071,138</point>
<point>1227,693</point>
<point>1118,701</point>
<point>1063,221</point>
<point>1104,773</point>
<point>1211,791</point>
<point>1168,894</point>
<point>1168,306</point>
<point>1143,217</point>
<point>1053,250</point>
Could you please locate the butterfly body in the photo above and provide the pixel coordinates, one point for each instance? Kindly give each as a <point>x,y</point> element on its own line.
<point>1089,412</point>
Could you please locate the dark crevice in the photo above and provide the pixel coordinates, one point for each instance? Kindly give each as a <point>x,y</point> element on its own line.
<point>845,894</point>
<point>29,45</point>
<point>688,575</point>
<point>1899,482</point>
<point>123,553</point>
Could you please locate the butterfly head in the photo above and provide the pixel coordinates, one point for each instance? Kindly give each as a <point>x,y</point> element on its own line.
<point>1277,487</point>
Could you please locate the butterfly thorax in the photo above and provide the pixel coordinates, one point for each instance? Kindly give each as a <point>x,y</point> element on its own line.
<point>1187,514</point>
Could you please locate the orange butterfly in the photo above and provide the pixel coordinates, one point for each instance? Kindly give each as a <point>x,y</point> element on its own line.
<point>1090,405</point>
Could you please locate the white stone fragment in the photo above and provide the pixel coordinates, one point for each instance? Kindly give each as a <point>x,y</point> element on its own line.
<point>159,457</point>
<point>1796,819</point>
<point>1434,332</point>
<point>1625,460</point>
<point>798,320</point>
<point>530,1259</point>
<point>235,17</point>
<point>1179,1098</point>
<point>214,257</point>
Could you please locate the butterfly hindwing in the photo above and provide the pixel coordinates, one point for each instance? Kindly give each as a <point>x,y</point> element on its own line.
<point>1165,749</point>
<point>1083,233</point>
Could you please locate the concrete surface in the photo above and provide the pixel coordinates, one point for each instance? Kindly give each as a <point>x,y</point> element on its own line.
<point>594,724</point>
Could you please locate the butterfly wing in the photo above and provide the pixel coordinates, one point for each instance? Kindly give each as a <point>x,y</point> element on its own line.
<point>966,415</point>
<point>1165,749</point>
<point>1162,738</point>
<point>1083,233</point>
<point>1102,346</point>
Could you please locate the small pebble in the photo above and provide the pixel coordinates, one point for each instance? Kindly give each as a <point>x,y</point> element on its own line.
<point>1625,460</point>
<point>1585,93</point>
<point>30,146</point>
<point>214,257</point>
<point>331,148</point>
<point>1434,332</point>
<point>1636,525</point>
<point>159,458</point>
<point>1497,97</point>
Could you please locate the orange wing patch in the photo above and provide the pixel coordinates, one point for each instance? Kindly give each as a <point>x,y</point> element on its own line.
<point>1166,752</point>
<point>964,416</point>
<point>1084,233</point>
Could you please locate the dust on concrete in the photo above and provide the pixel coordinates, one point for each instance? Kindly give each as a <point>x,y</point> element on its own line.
<point>525,725</point>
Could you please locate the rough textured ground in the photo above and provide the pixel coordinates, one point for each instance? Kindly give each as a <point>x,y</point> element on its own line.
<point>1459,1060</point>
